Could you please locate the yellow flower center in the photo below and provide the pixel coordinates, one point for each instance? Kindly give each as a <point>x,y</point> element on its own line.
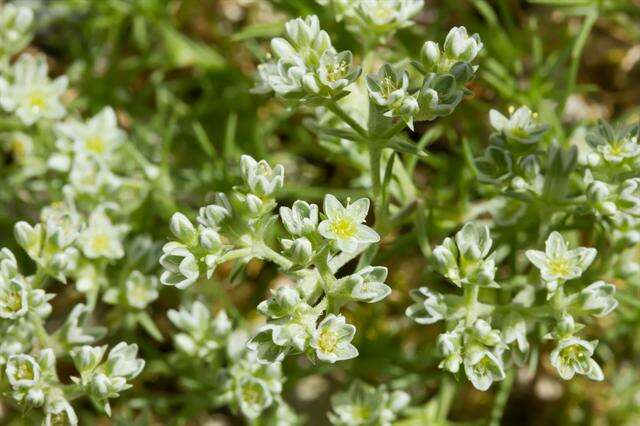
<point>327,341</point>
<point>264,170</point>
<point>100,242</point>
<point>383,12</point>
<point>573,353</point>
<point>24,372</point>
<point>361,412</point>
<point>138,292</point>
<point>336,71</point>
<point>482,366</point>
<point>60,418</point>
<point>37,100</point>
<point>559,267</point>
<point>14,301</point>
<point>343,228</point>
<point>19,148</point>
<point>251,395</point>
<point>387,85</point>
<point>95,144</point>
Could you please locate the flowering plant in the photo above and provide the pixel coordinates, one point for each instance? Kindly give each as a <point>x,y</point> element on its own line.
<point>316,212</point>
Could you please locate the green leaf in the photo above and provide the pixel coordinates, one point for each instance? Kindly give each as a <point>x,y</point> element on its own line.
<point>185,52</point>
<point>401,144</point>
<point>263,30</point>
<point>149,326</point>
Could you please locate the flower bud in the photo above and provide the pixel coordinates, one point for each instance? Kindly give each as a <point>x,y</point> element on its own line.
<point>182,228</point>
<point>301,251</point>
<point>598,298</point>
<point>27,236</point>
<point>254,204</point>
<point>210,240</point>
<point>280,304</point>
<point>430,55</point>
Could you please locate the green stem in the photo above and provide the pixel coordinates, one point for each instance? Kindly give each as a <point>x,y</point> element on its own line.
<point>265,252</point>
<point>344,116</point>
<point>343,258</point>
<point>374,164</point>
<point>39,278</point>
<point>445,397</point>
<point>471,298</point>
<point>393,130</point>
<point>41,333</point>
<point>501,399</point>
<point>227,304</point>
<point>576,53</point>
<point>235,254</point>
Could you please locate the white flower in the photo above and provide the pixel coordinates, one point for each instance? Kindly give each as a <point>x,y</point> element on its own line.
<point>283,77</point>
<point>75,331</point>
<point>202,335</point>
<point>557,262</point>
<point>22,371</point>
<point>14,298</point>
<point>465,259</point>
<point>429,308</point>
<point>309,41</point>
<point>573,355</point>
<point>301,218</point>
<point>141,290</point>
<point>388,88</point>
<point>261,179</point>
<point>122,361</point>
<point>253,396</point>
<point>620,149</point>
<point>90,176</point>
<point>106,380</point>
<point>60,413</point>
<point>459,46</point>
<point>383,17</point>
<point>101,238</point>
<point>598,298</point>
<point>522,124</point>
<point>483,368</point>
<point>345,224</point>
<point>332,339</point>
<point>181,267</point>
<point>98,137</point>
<point>16,28</point>
<point>31,95</point>
<point>369,284</point>
<point>365,405</point>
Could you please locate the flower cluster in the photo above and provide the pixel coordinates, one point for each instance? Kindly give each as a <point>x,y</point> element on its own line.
<point>241,382</point>
<point>104,380</point>
<point>16,29</point>
<point>79,235</point>
<point>303,318</point>
<point>442,87</point>
<point>306,65</point>
<point>374,19</point>
<point>363,404</point>
<point>485,338</point>
<point>232,228</point>
<point>511,157</point>
<point>29,93</point>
